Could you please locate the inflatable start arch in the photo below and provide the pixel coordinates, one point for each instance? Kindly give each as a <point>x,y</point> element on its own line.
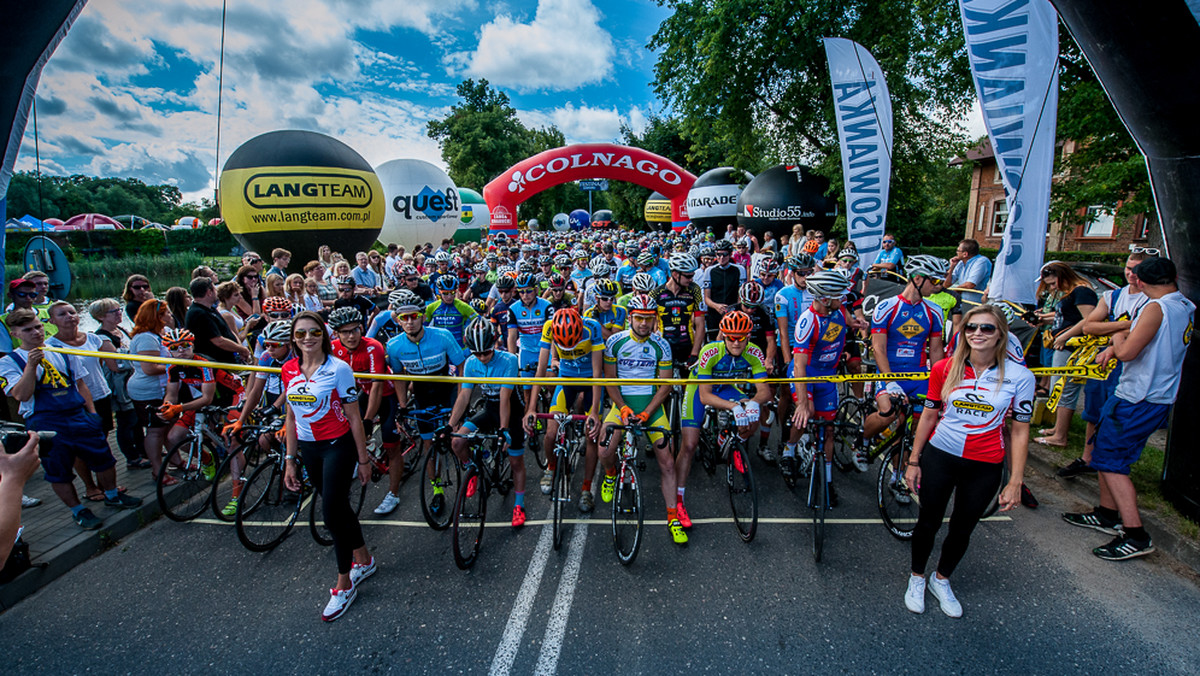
<point>587,160</point>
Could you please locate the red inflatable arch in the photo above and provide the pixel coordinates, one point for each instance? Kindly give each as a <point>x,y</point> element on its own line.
<point>586,160</point>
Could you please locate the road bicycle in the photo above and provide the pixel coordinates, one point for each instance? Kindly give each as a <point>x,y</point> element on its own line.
<point>628,509</point>
<point>813,460</point>
<point>249,446</point>
<point>568,447</point>
<point>190,467</point>
<point>441,471</point>
<point>674,403</point>
<point>721,444</point>
<point>490,471</point>
<point>545,401</point>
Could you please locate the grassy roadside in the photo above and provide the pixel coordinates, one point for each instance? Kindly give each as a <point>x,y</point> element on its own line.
<point>1146,474</point>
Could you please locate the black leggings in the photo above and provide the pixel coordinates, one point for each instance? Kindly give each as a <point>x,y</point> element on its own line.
<point>974,485</point>
<point>332,466</point>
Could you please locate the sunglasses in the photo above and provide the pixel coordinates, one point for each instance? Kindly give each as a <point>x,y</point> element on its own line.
<point>525,291</point>
<point>408,316</point>
<point>271,344</point>
<point>352,330</point>
<point>250,277</point>
<point>140,287</point>
<point>252,261</point>
<point>483,353</point>
<point>1144,250</point>
<point>25,294</point>
<point>686,275</point>
<point>279,315</point>
<point>723,253</point>
<point>180,347</point>
<point>412,279</point>
<point>889,241</point>
<point>606,299</point>
<point>300,334</point>
<point>985,329</point>
<point>737,339</point>
<point>805,273</point>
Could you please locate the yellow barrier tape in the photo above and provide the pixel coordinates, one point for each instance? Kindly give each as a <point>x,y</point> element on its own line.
<point>1092,371</point>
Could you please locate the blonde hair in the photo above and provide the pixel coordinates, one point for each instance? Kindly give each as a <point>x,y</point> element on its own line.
<point>100,307</point>
<point>958,361</point>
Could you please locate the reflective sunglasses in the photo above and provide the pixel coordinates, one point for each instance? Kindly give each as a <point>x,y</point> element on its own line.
<point>308,333</point>
<point>140,287</point>
<point>1145,250</point>
<point>985,329</point>
<point>408,316</point>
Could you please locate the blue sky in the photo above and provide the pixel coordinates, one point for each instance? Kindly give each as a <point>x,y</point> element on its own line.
<point>132,90</point>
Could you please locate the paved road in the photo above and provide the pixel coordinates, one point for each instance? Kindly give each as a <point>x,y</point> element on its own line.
<point>187,598</point>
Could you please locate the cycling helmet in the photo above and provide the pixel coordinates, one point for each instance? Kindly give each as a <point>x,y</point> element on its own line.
<point>683,262</point>
<point>446,283</point>
<point>505,269</point>
<point>479,305</point>
<point>344,280</point>
<point>557,281</point>
<point>277,304</point>
<point>579,254</point>
<point>525,281</point>
<point>479,335</point>
<point>1006,311</point>
<point>646,259</point>
<point>491,257</point>
<point>400,297</point>
<point>642,304</point>
<point>506,282</point>
<point>560,246</point>
<point>751,294</point>
<point>277,332</point>
<point>800,262</point>
<point>481,268</point>
<point>562,260</point>
<point>409,271</point>
<point>736,324</point>
<point>566,327</point>
<point>848,255</point>
<point>172,338</point>
<point>724,246</point>
<point>441,257</point>
<point>811,247</point>
<point>545,260</point>
<point>643,282</point>
<point>707,249</point>
<point>828,284</point>
<point>607,288</point>
<point>927,266</point>
<point>601,268</point>
<point>344,316</point>
<point>525,266</point>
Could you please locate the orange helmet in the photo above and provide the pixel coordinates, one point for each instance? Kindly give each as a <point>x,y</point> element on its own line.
<point>811,246</point>
<point>736,324</point>
<point>172,338</point>
<point>567,327</point>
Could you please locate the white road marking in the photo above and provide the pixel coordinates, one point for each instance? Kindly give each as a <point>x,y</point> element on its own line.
<point>556,628</point>
<point>514,629</point>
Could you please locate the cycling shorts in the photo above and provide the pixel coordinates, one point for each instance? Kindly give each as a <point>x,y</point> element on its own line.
<point>909,388</point>
<point>823,395</point>
<point>658,417</point>
<point>693,409</point>
<point>488,420</point>
<point>565,396</point>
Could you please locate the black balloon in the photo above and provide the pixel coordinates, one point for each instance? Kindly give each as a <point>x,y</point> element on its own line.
<point>784,195</point>
<point>712,200</point>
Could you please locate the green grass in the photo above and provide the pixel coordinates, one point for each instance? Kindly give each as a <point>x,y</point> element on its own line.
<point>105,277</point>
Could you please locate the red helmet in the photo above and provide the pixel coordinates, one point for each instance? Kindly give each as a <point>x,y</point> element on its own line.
<point>567,327</point>
<point>276,304</point>
<point>172,338</point>
<point>736,324</point>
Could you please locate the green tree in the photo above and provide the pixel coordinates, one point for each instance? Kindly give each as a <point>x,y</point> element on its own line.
<point>481,136</point>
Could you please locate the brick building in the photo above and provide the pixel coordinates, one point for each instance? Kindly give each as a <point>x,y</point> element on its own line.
<point>987,213</point>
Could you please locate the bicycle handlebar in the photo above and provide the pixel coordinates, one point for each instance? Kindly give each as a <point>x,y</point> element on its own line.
<point>561,417</point>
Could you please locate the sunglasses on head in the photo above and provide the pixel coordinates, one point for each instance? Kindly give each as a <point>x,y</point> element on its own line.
<point>985,329</point>
<point>308,333</point>
<point>1145,250</point>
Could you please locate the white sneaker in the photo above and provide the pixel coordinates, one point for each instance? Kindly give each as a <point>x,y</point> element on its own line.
<point>339,601</point>
<point>914,598</point>
<point>547,482</point>
<point>361,571</point>
<point>27,501</point>
<point>945,596</point>
<point>388,504</point>
<point>860,461</point>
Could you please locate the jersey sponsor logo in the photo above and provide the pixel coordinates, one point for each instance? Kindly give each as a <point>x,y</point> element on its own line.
<point>973,404</point>
<point>298,398</point>
<point>906,352</point>
<point>832,332</point>
<point>910,329</point>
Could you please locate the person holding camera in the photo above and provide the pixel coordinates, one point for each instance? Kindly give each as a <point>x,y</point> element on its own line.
<point>54,397</point>
<point>16,468</point>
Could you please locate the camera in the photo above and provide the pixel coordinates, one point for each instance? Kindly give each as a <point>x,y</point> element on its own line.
<point>14,439</point>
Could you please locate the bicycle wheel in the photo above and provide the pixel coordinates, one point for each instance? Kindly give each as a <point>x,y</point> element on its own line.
<point>627,516</point>
<point>560,494</point>
<point>439,474</point>
<point>194,476</point>
<point>1004,476</point>
<point>316,519</point>
<point>898,506</point>
<point>267,510</point>
<point>743,499</point>
<point>222,492</point>
<point>818,500</point>
<point>845,439</point>
<point>470,513</point>
<point>706,451</point>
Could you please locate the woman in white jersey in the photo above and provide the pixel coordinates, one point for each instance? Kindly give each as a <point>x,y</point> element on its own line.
<point>959,449</point>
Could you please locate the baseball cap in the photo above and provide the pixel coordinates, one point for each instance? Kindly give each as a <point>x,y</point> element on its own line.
<point>18,283</point>
<point>1156,271</point>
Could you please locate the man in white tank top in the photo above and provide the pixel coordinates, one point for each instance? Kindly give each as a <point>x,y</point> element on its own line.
<point>1151,351</point>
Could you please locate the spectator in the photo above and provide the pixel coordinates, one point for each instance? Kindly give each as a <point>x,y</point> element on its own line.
<point>1152,352</point>
<point>23,295</point>
<point>130,438</point>
<point>375,263</point>
<point>890,257</point>
<point>394,254</point>
<point>214,339</point>
<point>274,286</point>
<point>327,292</point>
<point>253,260</point>
<point>205,271</point>
<point>968,269</point>
<point>248,304</point>
<point>148,381</point>
<point>227,295</point>
<point>312,296</point>
<point>178,300</point>
<point>54,398</point>
<point>364,277</point>
<point>1077,301</point>
<point>325,257</point>
<point>137,291</point>
<point>41,285</point>
<point>721,284</point>
<point>280,258</point>
<point>769,245</point>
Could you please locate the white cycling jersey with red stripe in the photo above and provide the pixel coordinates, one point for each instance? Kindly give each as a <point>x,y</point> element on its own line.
<point>316,402</point>
<point>971,419</point>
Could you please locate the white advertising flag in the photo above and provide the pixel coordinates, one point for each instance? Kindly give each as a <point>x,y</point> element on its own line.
<point>864,124</point>
<point>1013,49</point>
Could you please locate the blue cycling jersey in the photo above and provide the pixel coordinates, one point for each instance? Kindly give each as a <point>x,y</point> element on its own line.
<point>822,338</point>
<point>433,355</point>
<point>908,327</point>
<point>770,291</point>
<point>450,316</point>
<point>791,302</point>
<point>501,365</point>
<point>528,321</point>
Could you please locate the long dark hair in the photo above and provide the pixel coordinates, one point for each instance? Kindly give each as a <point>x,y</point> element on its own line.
<point>326,346</point>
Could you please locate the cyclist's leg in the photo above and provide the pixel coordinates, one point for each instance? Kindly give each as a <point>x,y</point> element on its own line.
<point>583,405</point>
<point>516,453</point>
<point>690,421</point>
<point>877,422</point>
<point>559,405</point>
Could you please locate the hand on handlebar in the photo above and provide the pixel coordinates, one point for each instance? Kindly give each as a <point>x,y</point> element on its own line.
<point>231,429</point>
<point>281,435</point>
<point>626,414</point>
<point>170,411</point>
<point>527,422</point>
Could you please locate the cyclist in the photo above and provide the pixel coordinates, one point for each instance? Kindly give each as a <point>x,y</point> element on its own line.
<point>612,318</point>
<point>501,411</point>
<point>526,319</point>
<point>448,312</point>
<point>557,293</point>
<point>385,326</point>
<point>261,386</point>
<point>906,335</point>
<point>442,262</point>
<point>731,357</point>
<point>367,355</point>
<point>348,298</point>
<point>581,271</point>
<point>721,284</point>
<point>191,388</point>
<point>640,283</point>
<point>752,302</point>
<point>640,352</point>
<point>820,341</point>
<point>681,309</point>
<point>577,344</point>
<point>767,274</point>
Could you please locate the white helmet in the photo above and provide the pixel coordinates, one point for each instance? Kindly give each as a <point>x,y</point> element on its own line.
<point>828,284</point>
<point>682,262</point>
<point>927,266</point>
<point>643,283</point>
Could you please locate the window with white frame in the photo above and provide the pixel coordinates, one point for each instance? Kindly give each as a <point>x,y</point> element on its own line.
<point>1099,222</point>
<point>999,218</point>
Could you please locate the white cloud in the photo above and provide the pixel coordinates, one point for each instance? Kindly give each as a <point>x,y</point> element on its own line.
<point>585,124</point>
<point>564,47</point>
